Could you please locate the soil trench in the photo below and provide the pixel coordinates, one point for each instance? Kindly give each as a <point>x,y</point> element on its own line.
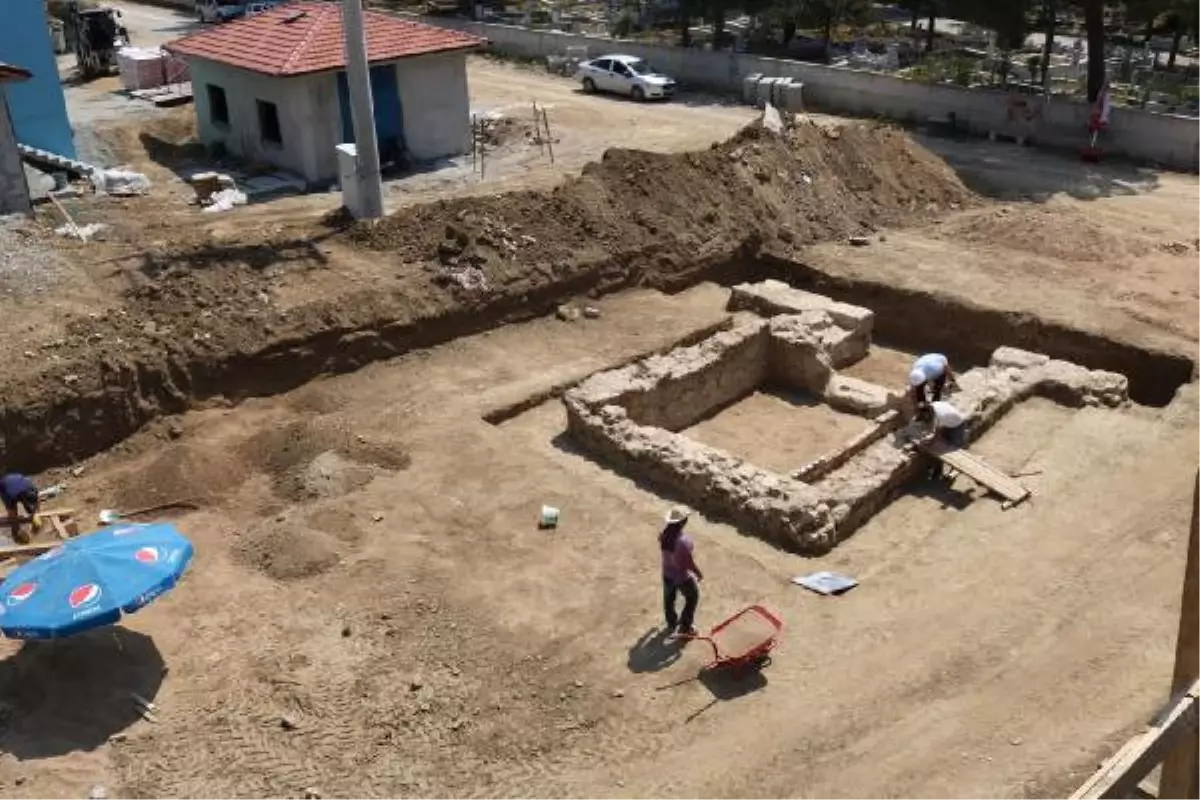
<point>78,425</point>
<point>926,321</point>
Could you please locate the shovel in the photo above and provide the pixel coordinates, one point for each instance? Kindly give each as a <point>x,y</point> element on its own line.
<point>110,516</point>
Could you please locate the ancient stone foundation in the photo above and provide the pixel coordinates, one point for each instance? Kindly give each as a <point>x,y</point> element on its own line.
<point>630,417</point>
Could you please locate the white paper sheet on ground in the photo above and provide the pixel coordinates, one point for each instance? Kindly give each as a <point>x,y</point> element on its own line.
<point>826,582</point>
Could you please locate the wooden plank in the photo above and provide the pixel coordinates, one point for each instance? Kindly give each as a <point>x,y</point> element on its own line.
<point>59,528</point>
<point>1181,767</point>
<point>27,549</point>
<point>977,470</point>
<point>1119,776</point>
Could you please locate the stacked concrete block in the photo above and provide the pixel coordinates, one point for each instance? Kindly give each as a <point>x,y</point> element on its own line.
<point>141,68</point>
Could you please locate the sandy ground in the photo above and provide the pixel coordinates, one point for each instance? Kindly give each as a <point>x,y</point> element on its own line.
<point>373,610</point>
<point>778,429</point>
<point>1109,248</point>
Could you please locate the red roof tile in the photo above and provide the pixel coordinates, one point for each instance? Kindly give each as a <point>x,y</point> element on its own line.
<point>11,72</point>
<point>306,37</point>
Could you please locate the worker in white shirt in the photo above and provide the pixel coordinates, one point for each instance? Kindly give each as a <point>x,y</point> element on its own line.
<point>945,422</point>
<point>929,375</point>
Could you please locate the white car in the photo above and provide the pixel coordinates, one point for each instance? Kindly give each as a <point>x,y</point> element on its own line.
<point>626,75</point>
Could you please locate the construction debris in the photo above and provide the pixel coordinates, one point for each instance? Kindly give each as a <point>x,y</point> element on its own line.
<point>119,182</point>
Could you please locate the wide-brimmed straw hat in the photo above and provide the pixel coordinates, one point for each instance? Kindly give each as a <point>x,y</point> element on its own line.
<point>676,515</point>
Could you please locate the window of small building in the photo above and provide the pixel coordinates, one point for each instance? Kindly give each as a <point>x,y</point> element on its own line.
<point>268,123</point>
<point>218,106</point>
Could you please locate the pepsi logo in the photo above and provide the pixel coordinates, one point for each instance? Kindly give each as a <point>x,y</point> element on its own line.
<point>146,555</point>
<point>84,595</point>
<point>21,593</point>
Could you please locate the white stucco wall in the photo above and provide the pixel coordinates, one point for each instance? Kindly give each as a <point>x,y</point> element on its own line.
<point>436,105</point>
<point>298,101</point>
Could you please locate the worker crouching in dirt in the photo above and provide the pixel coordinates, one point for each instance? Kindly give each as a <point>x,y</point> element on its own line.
<point>680,573</point>
<point>945,422</point>
<point>17,490</point>
<point>928,378</point>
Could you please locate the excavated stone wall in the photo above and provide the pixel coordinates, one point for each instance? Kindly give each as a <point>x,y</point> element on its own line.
<point>629,416</point>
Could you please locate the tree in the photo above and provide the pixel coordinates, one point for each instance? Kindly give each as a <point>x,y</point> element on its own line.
<point>688,9</point>
<point>913,7</point>
<point>1182,18</point>
<point>1048,22</point>
<point>1093,20</point>
<point>825,14</point>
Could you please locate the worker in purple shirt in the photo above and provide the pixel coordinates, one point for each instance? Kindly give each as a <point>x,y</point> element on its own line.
<point>16,489</point>
<point>680,573</point>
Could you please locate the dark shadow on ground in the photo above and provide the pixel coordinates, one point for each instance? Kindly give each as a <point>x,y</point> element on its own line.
<point>1006,171</point>
<point>688,98</point>
<point>653,651</point>
<point>174,155</point>
<point>948,493</point>
<point>64,695</point>
<point>302,252</point>
<point>725,684</point>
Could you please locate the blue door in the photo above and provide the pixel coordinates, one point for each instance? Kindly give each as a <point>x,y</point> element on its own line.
<point>389,121</point>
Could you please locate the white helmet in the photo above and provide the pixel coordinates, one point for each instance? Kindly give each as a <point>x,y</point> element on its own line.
<point>916,378</point>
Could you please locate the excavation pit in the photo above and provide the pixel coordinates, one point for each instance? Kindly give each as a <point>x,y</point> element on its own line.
<point>778,428</point>
<point>663,419</point>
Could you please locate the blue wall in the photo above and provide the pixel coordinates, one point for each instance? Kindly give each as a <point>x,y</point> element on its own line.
<point>38,108</point>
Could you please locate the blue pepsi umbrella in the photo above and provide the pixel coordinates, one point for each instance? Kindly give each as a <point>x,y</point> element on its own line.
<point>87,582</point>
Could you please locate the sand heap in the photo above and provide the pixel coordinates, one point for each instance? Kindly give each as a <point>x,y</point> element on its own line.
<point>805,185</point>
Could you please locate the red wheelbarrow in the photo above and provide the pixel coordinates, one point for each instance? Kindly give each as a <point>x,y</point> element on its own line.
<point>744,640</point>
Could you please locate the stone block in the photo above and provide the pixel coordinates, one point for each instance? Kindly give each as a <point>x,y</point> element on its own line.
<point>1014,357</point>
<point>772,297</point>
<point>855,396</point>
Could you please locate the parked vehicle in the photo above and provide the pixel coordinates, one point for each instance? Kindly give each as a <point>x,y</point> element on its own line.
<point>219,10</point>
<point>261,7</point>
<point>627,75</point>
<point>95,36</point>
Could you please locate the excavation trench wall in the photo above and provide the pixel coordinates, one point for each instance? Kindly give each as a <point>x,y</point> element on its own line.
<point>968,333</point>
<point>106,403</point>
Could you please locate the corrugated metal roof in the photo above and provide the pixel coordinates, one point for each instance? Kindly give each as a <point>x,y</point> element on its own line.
<point>306,37</point>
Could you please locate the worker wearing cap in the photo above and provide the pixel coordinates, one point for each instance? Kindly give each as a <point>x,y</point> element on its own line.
<point>16,489</point>
<point>680,573</point>
<point>929,373</point>
<point>946,423</point>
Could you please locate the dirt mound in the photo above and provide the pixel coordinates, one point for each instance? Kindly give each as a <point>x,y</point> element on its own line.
<point>181,472</point>
<point>285,549</point>
<point>149,143</point>
<point>329,475</point>
<point>1045,232</point>
<point>316,459</point>
<point>809,184</point>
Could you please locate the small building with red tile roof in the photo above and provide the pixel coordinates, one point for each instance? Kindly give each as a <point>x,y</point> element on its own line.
<point>272,87</point>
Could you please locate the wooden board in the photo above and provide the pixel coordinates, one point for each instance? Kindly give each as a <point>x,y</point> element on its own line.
<point>27,549</point>
<point>978,471</point>
<point>1119,776</point>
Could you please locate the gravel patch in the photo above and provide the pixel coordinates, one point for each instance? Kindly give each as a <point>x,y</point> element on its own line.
<point>28,267</point>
